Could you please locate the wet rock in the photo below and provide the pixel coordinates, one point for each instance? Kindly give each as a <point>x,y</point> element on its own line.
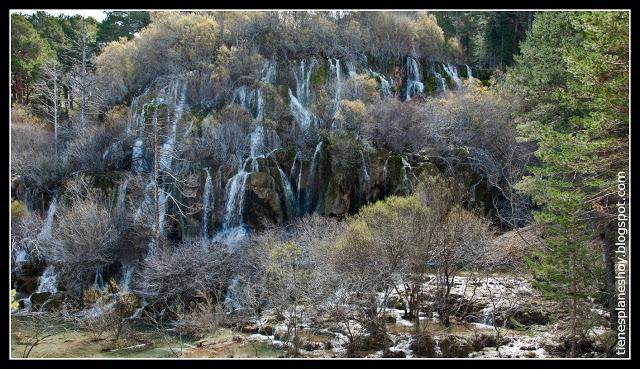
<point>394,354</point>
<point>423,345</point>
<point>262,202</point>
<point>525,317</point>
<point>39,298</point>
<point>454,346</point>
<point>26,284</point>
<point>484,340</point>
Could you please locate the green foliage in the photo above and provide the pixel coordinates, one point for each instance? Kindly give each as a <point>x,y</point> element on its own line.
<point>13,304</point>
<point>573,74</point>
<point>119,24</point>
<point>28,52</point>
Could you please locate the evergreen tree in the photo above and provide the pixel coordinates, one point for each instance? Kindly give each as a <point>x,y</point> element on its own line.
<point>571,78</point>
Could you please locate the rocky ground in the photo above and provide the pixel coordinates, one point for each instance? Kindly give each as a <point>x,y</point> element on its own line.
<point>496,316</point>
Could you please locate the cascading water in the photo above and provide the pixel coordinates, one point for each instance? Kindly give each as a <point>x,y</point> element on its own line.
<point>406,169</point>
<point>452,71</point>
<point>288,191</point>
<point>365,174</point>
<point>385,85</point>
<point>310,177</point>
<point>469,72</point>
<point>127,276</point>
<point>441,81</point>
<point>206,205</point>
<point>98,282</point>
<point>45,232</point>
<point>414,86</point>
<point>385,173</point>
<point>48,281</point>
<point>301,115</point>
<point>351,69</point>
<point>335,70</point>
<point>137,157</point>
<point>487,316</point>
<point>166,152</point>
<point>298,103</point>
<point>233,228</point>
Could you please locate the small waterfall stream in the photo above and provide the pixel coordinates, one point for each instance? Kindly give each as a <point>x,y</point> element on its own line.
<point>48,281</point>
<point>414,86</point>
<point>206,205</point>
<point>45,232</point>
<point>452,71</point>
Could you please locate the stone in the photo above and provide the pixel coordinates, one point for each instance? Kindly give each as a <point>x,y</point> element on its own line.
<point>262,202</point>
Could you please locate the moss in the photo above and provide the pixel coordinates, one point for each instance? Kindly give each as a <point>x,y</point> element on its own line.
<point>18,209</point>
<point>319,76</point>
<point>430,83</point>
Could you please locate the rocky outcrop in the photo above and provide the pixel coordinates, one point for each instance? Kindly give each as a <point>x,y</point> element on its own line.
<point>262,202</point>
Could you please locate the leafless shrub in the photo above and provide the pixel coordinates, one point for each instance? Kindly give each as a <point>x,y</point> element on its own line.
<point>85,237</point>
<point>184,270</point>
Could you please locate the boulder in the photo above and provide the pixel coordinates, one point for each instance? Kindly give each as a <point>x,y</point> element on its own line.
<point>423,345</point>
<point>39,298</point>
<point>262,202</point>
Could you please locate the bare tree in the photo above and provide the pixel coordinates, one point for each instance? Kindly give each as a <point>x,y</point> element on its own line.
<point>47,94</point>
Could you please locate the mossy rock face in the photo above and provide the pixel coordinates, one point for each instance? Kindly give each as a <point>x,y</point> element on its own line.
<point>262,203</point>
<point>453,346</point>
<point>484,340</point>
<point>39,298</point>
<point>337,199</point>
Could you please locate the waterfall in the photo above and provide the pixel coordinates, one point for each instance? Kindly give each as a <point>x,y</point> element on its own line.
<point>233,229</point>
<point>365,173</point>
<point>235,199</point>
<point>453,73</point>
<point>385,173</point>
<point>487,316</point>
<point>338,83</point>
<point>230,300</point>
<point>406,169</point>
<point>310,177</point>
<point>469,74</point>
<point>288,191</point>
<point>303,79</point>
<point>48,281</point>
<point>299,182</point>
<point>441,80</point>
<point>127,276</point>
<point>256,147</point>
<point>301,115</point>
<point>206,205</point>
<point>98,282</point>
<point>385,85</point>
<point>268,72</point>
<point>260,104</point>
<point>166,152</point>
<point>45,232</point>
<point>298,104</point>
<point>352,69</point>
<point>414,86</point>
<point>137,157</point>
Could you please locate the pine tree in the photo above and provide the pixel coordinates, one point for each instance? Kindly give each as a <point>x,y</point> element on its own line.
<point>571,74</point>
